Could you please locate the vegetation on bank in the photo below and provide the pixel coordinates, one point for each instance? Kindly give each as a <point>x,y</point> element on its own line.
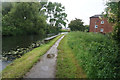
<point>112,13</point>
<point>19,67</point>
<point>27,18</point>
<point>95,53</point>
<point>67,65</point>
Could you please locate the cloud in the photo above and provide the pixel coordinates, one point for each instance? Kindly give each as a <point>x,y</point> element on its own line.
<point>82,9</point>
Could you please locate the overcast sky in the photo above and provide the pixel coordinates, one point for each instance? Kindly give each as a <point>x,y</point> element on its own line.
<point>82,9</point>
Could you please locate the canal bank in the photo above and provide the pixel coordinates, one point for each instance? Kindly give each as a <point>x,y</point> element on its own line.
<point>15,46</point>
<point>13,54</point>
<point>21,41</point>
<point>21,66</point>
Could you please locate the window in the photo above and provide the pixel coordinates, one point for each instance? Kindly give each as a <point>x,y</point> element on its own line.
<point>101,30</point>
<point>96,26</point>
<point>102,22</point>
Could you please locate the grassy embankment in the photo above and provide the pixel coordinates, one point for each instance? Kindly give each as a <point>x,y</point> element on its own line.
<point>67,65</point>
<point>95,53</point>
<point>21,66</point>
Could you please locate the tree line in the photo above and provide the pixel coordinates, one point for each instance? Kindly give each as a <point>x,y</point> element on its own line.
<point>27,18</point>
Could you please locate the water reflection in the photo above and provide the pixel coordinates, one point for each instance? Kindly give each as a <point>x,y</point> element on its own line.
<point>12,42</point>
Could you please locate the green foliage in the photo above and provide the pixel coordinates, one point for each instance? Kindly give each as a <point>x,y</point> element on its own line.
<point>96,53</point>
<point>11,31</point>
<point>62,30</point>
<point>28,18</point>
<point>112,11</point>
<point>86,28</point>
<point>24,18</point>
<point>6,7</point>
<point>113,15</point>
<point>52,29</point>
<point>67,65</point>
<point>56,14</point>
<point>76,25</point>
<point>116,33</point>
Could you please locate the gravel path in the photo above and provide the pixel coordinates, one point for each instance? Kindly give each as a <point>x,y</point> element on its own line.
<point>46,67</point>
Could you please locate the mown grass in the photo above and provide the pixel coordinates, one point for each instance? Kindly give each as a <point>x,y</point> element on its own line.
<point>21,66</point>
<point>95,53</point>
<point>67,65</point>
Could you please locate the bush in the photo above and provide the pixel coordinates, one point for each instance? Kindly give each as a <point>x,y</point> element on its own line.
<point>52,30</point>
<point>96,53</point>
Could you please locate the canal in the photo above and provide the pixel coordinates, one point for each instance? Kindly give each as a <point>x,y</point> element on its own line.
<point>14,42</point>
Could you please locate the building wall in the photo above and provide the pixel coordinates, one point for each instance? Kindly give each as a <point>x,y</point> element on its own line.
<point>107,27</point>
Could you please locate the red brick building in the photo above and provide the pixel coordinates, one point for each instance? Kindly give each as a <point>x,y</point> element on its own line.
<point>99,24</point>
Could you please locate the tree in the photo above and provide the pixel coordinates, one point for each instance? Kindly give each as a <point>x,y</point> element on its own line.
<point>113,15</point>
<point>24,18</point>
<point>55,13</point>
<point>6,7</point>
<point>76,25</point>
<point>31,18</point>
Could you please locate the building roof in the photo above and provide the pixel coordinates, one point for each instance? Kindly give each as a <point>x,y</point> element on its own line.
<point>96,16</point>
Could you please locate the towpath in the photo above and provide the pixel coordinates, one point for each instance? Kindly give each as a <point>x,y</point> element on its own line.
<point>46,67</point>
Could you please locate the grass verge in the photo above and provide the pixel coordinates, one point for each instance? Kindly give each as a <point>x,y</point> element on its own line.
<point>67,65</point>
<point>21,66</point>
<point>95,53</point>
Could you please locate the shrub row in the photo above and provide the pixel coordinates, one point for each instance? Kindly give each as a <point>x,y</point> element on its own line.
<point>96,53</point>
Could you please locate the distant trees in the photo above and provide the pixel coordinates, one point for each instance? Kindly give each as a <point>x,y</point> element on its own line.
<point>77,25</point>
<point>31,18</point>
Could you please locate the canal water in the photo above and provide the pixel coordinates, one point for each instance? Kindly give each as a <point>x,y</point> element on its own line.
<point>13,42</point>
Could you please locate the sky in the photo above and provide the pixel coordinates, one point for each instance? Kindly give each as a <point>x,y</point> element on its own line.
<point>82,9</point>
